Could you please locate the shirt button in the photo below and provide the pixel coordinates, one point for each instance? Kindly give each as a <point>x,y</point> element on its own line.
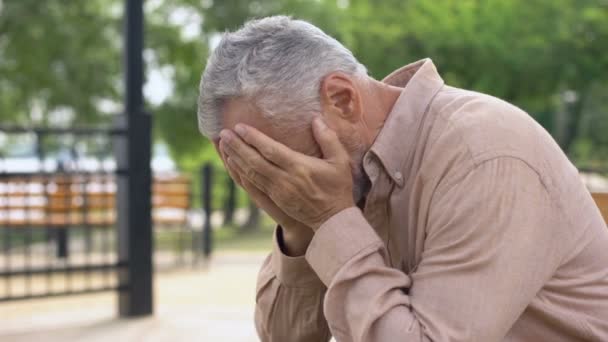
<point>398,176</point>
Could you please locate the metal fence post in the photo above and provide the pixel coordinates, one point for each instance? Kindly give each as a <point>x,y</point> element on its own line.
<point>134,219</point>
<point>230,202</point>
<point>206,181</point>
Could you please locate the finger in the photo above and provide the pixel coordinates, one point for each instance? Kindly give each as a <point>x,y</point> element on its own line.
<point>250,156</point>
<point>220,148</point>
<point>244,171</point>
<point>271,149</point>
<point>262,201</point>
<point>235,177</point>
<point>251,187</point>
<point>236,169</point>
<point>222,152</point>
<point>328,141</point>
<point>260,198</point>
<point>216,143</point>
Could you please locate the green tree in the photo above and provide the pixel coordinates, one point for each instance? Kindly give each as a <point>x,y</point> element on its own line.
<point>549,56</point>
<point>58,58</point>
<point>526,52</point>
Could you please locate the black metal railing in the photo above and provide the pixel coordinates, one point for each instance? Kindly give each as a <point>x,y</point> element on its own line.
<point>57,217</point>
<point>59,232</point>
<point>124,258</point>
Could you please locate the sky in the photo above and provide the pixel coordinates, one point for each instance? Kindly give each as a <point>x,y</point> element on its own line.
<point>159,83</point>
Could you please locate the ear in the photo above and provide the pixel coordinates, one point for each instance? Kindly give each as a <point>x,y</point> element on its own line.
<point>340,96</point>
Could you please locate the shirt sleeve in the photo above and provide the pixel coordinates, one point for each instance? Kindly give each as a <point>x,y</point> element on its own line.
<point>289,299</point>
<point>489,248</point>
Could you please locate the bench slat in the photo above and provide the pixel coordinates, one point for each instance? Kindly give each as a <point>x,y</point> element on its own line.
<point>64,200</point>
<point>601,199</point>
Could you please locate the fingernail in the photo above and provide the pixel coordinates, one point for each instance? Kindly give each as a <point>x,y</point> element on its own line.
<point>240,129</point>
<point>225,136</point>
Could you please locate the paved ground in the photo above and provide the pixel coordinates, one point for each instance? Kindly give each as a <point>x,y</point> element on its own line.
<point>191,305</point>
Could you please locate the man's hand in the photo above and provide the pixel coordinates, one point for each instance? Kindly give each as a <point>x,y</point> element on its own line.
<point>296,236</point>
<point>309,190</point>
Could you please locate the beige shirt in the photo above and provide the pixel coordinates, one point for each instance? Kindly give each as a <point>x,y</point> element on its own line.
<point>476,228</point>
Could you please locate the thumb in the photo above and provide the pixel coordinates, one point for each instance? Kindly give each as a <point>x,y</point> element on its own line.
<point>328,140</point>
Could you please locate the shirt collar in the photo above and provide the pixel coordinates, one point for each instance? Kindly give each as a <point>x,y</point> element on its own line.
<point>395,143</point>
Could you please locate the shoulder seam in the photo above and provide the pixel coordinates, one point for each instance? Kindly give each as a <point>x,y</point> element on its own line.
<point>506,154</point>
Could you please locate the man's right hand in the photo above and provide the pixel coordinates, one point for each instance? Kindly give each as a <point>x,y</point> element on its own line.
<point>295,235</point>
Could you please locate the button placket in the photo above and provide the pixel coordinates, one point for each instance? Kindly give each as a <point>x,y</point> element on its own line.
<point>398,176</point>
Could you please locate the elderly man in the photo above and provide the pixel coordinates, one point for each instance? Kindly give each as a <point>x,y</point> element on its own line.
<point>407,210</point>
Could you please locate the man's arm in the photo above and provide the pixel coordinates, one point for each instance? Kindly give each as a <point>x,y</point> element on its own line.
<point>492,239</point>
<point>289,295</point>
<point>289,299</point>
<point>490,245</point>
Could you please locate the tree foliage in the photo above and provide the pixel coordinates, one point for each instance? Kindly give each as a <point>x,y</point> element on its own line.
<point>549,57</point>
<point>56,57</point>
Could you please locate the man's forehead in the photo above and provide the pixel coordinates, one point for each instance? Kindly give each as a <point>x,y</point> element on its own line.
<point>240,111</point>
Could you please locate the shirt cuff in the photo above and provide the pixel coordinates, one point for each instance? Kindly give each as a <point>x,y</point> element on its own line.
<point>292,271</point>
<point>338,240</point>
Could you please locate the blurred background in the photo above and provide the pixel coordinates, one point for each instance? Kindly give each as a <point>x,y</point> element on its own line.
<point>61,70</point>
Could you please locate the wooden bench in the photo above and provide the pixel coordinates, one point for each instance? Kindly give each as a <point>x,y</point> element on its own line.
<point>61,201</point>
<point>171,200</point>
<point>601,199</point>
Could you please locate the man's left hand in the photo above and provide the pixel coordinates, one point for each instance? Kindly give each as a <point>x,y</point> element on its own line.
<point>309,189</point>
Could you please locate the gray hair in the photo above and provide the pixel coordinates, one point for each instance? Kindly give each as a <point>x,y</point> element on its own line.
<point>277,63</point>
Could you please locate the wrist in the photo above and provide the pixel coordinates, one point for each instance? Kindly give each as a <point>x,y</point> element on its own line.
<point>334,212</point>
<point>294,241</point>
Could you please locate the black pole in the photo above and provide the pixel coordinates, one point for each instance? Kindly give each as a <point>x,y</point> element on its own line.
<point>62,231</point>
<point>133,193</point>
<point>230,202</point>
<point>206,177</point>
